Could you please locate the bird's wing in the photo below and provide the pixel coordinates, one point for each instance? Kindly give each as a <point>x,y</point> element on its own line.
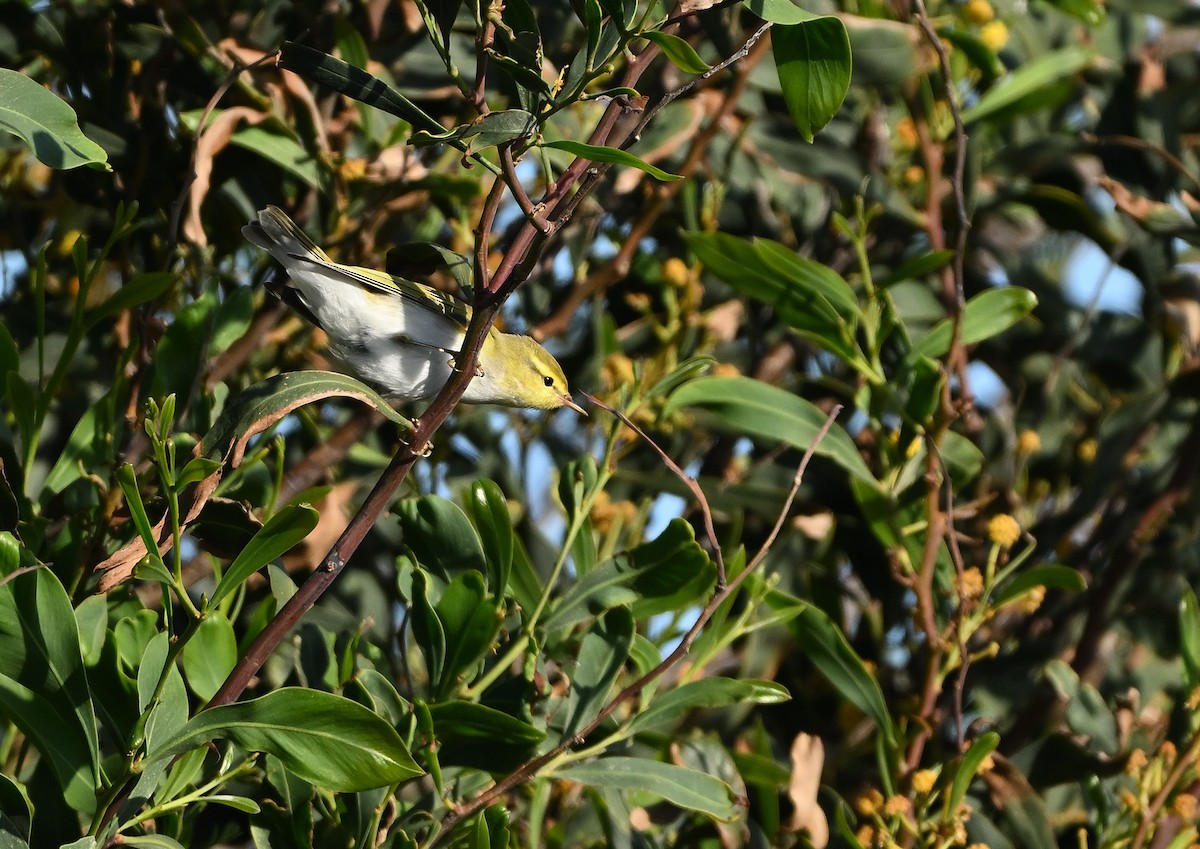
<point>425,297</point>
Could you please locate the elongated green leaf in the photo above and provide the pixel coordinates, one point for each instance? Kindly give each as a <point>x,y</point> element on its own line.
<point>441,537</point>
<point>745,405</point>
<point>780,11</point>
<point>281,532</point>
<point>602,654</point>
<point>1091,12</point>
<point>325,739</point>
<point>988,314</point>
<point>490,130</point>
<point>654,576</point>
<point>255,409</point>
<point>138,290</point>
<point>597,153</point>
<point>706,693</point>
<point>1189,635</point>
<point>681,54</point>
<point>326,70</point>
<point>823,643</point>
<point>47,124</point>
<point>470,622</point>
<point>481,737</point>
<point>685,788</point>
<point>1028,79</point>
<point>45,688</point>
<point>489,509</point>
<point>813,61</point>
<point>1052,577</point>
<point>983,746</point>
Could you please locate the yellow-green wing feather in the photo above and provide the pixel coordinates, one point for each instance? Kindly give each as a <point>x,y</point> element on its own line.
<point>304,249</point>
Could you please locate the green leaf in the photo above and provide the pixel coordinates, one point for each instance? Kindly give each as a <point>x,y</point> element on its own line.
<point>138,290</point>
<point>780,11</point>
<point>988,314</point>
<point>43,683</point>
<point>281,532</point>
<point>326,70</point>
<point>813,61</point>
<point>681,54</point>
<point>664,574</point>
<point>705,693</point>
<point>255,409</point>
<point>470,622</point>
<point>1091,12</point>
<point>825,645</point>
<point>1189,636</point>
<point>46,124</point>
<point>322,738</point>
<point>602,655</point>
<point>1029,78</point>
<point>685,788</point>
<point>597,153</point>
<point>980,748</point>
<point>917,267</point>
<point>441,537</point>
<point>489,509</point>
<point>748,406</point>
<point>490,130</point>
<point>210,654</point>
<point>481,737</point>
<point>1053,577</point>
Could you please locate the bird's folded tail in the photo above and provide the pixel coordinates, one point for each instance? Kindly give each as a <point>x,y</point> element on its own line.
<point>277,234</point>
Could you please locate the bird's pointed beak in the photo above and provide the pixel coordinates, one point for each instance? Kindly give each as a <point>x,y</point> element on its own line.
<point>567,402</point>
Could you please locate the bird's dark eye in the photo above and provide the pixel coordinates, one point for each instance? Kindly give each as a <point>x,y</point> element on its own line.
<point>548,380</point>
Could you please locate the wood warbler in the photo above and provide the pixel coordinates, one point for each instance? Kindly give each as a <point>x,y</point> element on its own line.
<point>399,335</point>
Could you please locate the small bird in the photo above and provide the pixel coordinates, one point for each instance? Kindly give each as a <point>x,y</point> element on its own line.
<point>396,334</point>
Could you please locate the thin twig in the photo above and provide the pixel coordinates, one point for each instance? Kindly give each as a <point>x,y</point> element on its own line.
<point>688,481</point>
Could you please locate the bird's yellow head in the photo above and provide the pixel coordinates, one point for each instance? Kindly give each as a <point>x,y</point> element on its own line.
<point>526,374</point>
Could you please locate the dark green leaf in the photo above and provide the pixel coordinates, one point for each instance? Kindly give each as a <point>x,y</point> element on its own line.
<point>705,693</point>
<point>210,654</point>
<point>281,532</point>
<point>596,153</point>
<point>1028,79</point>
<point>470,621</point>
<point>255,409</point>
<point>140,289</point>
<point>1091,12</point>
<point>685,788</point>
<point>968,765</point>
<point>1052,577</point>
<point>489,508</point>
<point>824,644</point>
<point>326,739</point>
<point>43,683</point>
<point>46,124</point>
<point>601,657</point>
<point>745,405</point>
<point>480,737</point>
<point>1189,636</point>
<point>813,61</point>
<point>441,537</point>
<point>988,314</point>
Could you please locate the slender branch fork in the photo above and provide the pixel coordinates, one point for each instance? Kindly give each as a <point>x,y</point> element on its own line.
<point>725,590</point>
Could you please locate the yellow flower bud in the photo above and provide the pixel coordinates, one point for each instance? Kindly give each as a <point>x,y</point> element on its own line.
<point>979,11</point>
<point>994,35</point>
<point>869,802</point>
<point>924,779</point>
<point>1028,442</point>
<point>1003,530</point>
<point>970,587</point>
<point>675,273</point>
<point>1086,451</point>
